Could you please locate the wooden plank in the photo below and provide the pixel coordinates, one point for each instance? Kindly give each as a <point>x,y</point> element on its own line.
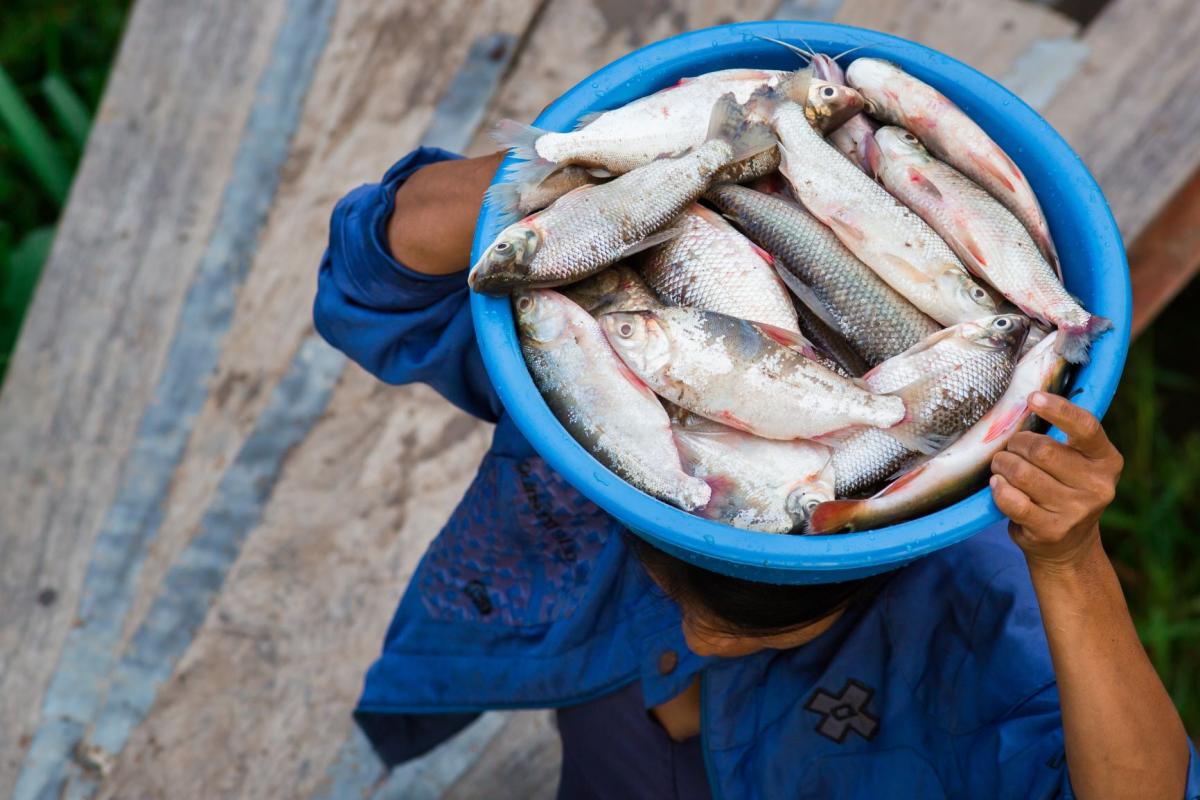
<point>1166,256</point>
<point>141,212</point>
<point>1133,110</point>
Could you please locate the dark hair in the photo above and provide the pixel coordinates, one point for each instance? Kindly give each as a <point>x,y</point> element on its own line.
<point>740,607</point>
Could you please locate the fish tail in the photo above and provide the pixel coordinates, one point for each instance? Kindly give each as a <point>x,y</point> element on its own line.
<point>1075,340</point>
<point>530,173</point>
<point>518,138</point>
<point>731,123</point>
<point>835,516</point>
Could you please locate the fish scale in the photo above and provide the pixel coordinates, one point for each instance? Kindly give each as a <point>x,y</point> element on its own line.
<point>876,320</point>
<point>713,267</point>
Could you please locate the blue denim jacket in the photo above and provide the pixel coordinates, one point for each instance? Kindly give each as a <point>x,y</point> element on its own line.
<point>940,686</point>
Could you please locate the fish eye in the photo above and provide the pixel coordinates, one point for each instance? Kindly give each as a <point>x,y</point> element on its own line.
<point>828,91</point>
<point>503,247</point>
<point>1002,323</point>
<point>625,330</point>
<point>525,304</point>
<point>908,137</point>
<point>978,293</point>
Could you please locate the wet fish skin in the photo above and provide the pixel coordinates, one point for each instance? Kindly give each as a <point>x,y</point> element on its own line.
<point>876,320</point>
<point>524,199</point>
<point>738,373</point>
<point>607,409</point>
<point>960,468</point>
<point>618,288</point>
<point>881,232</point>
<point>900,99</point>
<point>713,267</point>
<point>829,341</point>
<point>962,371</point>
<point>594,226</point>
<point>852,136</point>
<point>758,484</point>
<point>986,236</point>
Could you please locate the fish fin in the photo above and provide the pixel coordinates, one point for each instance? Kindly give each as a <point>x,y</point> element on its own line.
<point>990,168</point>
<point>918,179</point>
<point>1006,424</point>
<point>808,297</point>
<point>730,123</point>
<point>900,480</point>
<point>505,198</point>
<point>827,69</point>
<point>835,516</point>
<point>531,173</point>
<point>837,438</point>
<point>653,240</point>
<point>789,339</point>
<point>597,172</point>
<point>847,230</point>
<point>1074,341</point>
<point>870,154</point>
<point>763,254</point>
<point>925,443</point>
<point>517,137</point>
<point>588,119</point>
<point>928,442</point>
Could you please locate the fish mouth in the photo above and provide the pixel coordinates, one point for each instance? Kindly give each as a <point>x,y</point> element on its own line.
<point>495,282</point>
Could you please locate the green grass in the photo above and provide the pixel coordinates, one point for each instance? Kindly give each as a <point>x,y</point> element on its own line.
<point>54,59</point>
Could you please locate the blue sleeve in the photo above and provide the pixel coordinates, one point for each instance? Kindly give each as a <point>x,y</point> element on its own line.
<point>400,325</point>
<point>1024,755</point>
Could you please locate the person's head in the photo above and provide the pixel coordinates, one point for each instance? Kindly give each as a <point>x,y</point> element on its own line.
<point>731,617</point>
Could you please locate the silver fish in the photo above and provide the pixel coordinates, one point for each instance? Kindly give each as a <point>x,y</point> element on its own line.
<point>986,236</point>
<point>885,235</point>
<point>618,288</point>
<point>594,226</point>
<point>876,320</point>
<point>524,199</point>
<point>966,369</point>
<point>605,407</point>
<point>750,377</point>
<point>961,467</point>
<point>757,484</point>
<point>713,267</point>
<point>852,136</point>
<point>898,98</point>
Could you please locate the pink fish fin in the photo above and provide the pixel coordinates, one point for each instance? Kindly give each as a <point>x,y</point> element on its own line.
<point>960,238</point>
<point>653,240</point>
<point>763,254</point>
<point>727,418</point>
<point>835,516</point>
<point>926,186</point>
<point>1006,424</point>
<point>1074,340</point>
<point>871,155</point>
<point>901,480</point>
<point>634,379</point>
<point>989,167</point>
<point>789,339</point>
<point>588,119</point>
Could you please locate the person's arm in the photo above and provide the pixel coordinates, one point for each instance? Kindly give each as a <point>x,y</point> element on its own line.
<point>392,288</point>
<point>1123,736</point>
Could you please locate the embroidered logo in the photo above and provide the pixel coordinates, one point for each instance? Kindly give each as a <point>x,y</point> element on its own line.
<point>844,712</point>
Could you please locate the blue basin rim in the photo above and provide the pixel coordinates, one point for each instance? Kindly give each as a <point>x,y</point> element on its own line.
<point>1088,241</point>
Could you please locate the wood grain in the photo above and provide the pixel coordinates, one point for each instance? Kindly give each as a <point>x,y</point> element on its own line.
<point>92,349</point>
<point>1166,256</point>
<point>1132,111</point>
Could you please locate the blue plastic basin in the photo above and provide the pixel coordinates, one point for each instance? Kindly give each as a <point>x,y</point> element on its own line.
<point>1093,260</point>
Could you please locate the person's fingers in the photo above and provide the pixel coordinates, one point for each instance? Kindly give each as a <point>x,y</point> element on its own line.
<point>1017,506</point>
<point>1083,430</point>
<point>1038,485</point>
<point>1064,463</point>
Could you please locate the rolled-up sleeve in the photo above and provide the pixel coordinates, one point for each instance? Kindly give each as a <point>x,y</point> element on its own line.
<point>401,325</point>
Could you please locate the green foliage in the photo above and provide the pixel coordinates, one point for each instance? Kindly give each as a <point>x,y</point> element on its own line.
<point>1151,529</point>
<point>54,58</point>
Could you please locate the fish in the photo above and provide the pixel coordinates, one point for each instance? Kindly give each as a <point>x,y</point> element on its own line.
<point>849,296</point>
<point>757,484</point>
<point>742,374</point>
<point>592,227</point>
<point>960,468</point>
<point>991,241</point>
<point>827,340</point>
<point>898,98</point>
<point>599,401</point>
<point>667,123</point>
<point>852,136</point>
<point>713,267</point>
<point>881,232</point>
<point>523,199</point>
<point>949,381</point>
<point>618,288</point>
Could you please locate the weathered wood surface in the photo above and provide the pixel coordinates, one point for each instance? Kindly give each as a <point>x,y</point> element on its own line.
<point>1166,256</point>
<point>317,487</point>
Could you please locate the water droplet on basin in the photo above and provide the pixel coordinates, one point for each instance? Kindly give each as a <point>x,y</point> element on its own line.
<point>710,539</point>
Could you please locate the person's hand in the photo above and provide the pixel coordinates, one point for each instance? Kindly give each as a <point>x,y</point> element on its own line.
<point>1054,493</point>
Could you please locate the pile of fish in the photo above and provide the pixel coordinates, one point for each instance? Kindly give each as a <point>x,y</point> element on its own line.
<point>794,302</point>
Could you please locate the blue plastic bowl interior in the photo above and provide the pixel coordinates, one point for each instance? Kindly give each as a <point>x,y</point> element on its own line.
<point>1093,259</point>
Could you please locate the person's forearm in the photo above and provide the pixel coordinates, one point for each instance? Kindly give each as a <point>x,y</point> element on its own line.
<point>433,224</point>
<point>1123,736</point>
